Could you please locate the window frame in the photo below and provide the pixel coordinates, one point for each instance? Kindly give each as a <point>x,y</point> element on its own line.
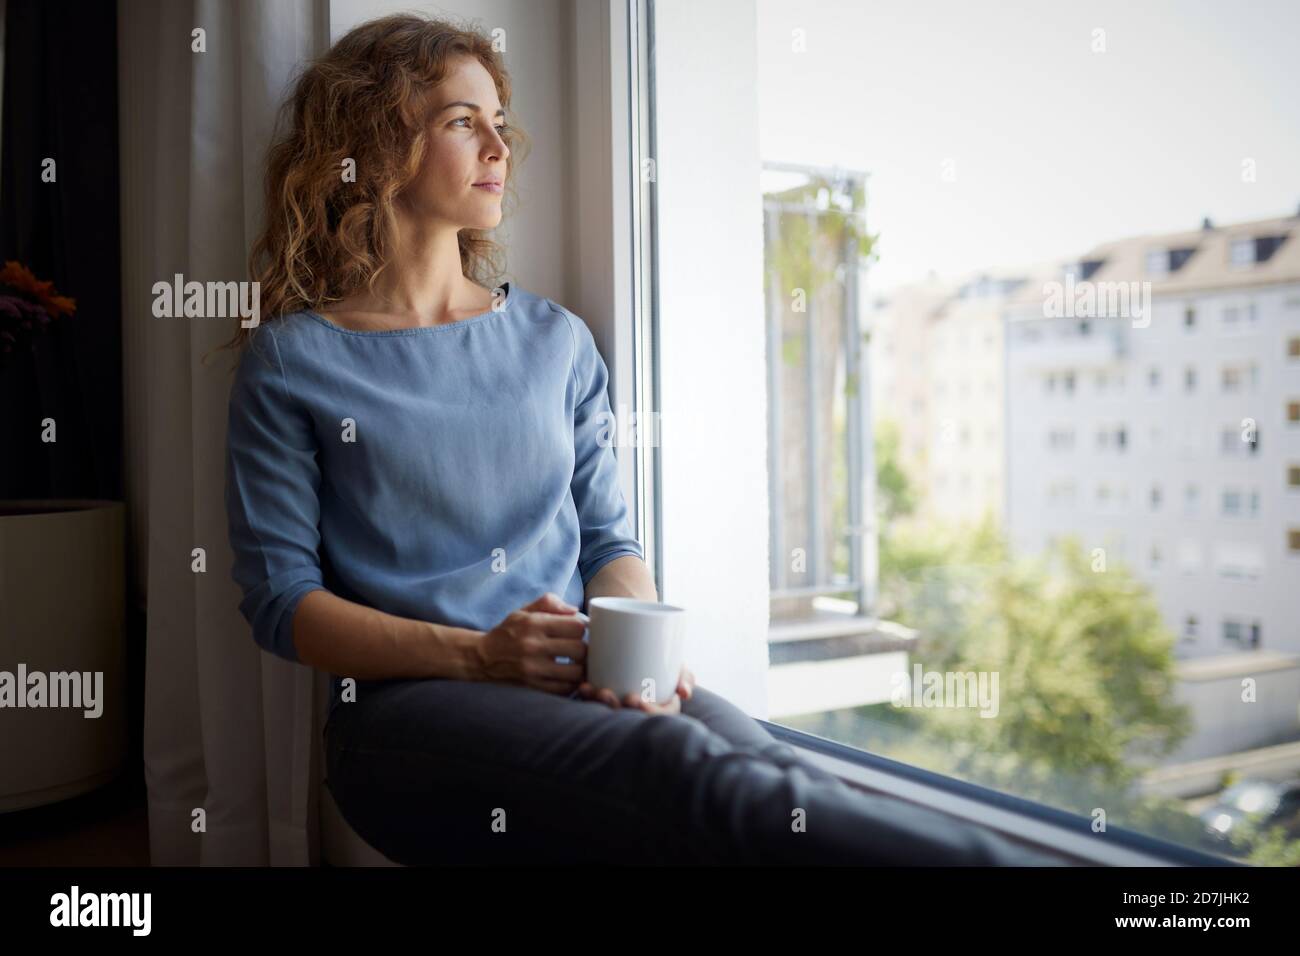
<point>635,309</point>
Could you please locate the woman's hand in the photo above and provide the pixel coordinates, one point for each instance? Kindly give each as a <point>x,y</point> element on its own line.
<point>685,686</point>
<point>522,648</point>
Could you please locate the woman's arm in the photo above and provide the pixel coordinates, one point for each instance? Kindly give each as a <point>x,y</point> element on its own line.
<point>342,637</point>
<point>625,576</point>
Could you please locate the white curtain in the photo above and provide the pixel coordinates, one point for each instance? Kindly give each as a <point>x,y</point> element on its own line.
<point>229,730</point>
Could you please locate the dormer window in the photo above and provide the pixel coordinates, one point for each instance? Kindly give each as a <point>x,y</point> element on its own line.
<point>1253,250</point>
<point>1164,261</point>
<point>1084,268</point>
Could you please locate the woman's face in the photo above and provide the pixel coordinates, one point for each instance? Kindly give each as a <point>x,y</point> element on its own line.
<point>465,148</point>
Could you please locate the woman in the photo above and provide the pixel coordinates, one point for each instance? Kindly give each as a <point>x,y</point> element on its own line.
<point>418,503</point>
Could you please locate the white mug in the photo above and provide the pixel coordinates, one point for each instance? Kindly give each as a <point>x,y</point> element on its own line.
<point>634,647</point>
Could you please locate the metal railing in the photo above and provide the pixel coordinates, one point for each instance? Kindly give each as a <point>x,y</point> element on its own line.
<point>811,523</point>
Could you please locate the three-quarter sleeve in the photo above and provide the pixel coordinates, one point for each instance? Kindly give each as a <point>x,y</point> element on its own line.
<point>272,504</point>
<point>606,532</point>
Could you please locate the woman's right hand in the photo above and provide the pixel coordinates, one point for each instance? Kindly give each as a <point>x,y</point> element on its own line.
<point>522,648</point>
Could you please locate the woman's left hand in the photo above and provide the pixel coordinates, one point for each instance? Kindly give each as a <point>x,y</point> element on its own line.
<point>685,687</point>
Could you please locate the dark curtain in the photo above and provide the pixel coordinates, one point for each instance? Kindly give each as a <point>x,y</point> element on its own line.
<point>60,101</point>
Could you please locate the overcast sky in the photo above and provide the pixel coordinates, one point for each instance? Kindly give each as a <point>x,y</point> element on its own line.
<point>1054,148</point>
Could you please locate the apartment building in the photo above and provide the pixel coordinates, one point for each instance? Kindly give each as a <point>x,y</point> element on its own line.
<point>937,373</point>
<point>1153,409</point>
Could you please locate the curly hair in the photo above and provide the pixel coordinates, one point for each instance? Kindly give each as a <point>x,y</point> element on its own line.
<point>367,99</point>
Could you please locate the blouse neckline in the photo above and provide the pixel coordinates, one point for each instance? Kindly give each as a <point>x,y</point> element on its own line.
<point>421,329</point>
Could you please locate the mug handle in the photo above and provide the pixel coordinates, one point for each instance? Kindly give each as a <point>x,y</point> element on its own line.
<point>573,695</point>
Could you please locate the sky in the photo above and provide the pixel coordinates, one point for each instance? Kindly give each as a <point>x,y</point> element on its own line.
<point>1051,148</point>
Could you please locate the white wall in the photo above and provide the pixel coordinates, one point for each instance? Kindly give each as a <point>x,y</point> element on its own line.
<point>714,385</point>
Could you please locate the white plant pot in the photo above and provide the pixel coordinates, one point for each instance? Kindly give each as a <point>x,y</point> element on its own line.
<point>62,610</point>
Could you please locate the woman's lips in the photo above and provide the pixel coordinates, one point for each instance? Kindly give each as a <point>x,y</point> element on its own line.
<point>494,188</point>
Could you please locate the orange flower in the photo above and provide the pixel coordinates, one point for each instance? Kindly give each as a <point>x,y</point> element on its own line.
<point>20,277</point>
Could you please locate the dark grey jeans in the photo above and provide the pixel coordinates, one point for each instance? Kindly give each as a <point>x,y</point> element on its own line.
<point>443,771</point>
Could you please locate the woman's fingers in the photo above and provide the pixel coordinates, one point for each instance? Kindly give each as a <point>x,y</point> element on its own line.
<point>570,674</point>
<point>685,684</point>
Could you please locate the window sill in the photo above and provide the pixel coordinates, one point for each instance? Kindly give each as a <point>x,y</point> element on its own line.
<point>1042,827</point>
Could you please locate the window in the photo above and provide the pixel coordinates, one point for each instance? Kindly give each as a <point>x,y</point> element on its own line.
<point>1293,412</point>
<point>1189,627</point>
<point>1293,476</point>
<point>1053,452</point>
<point>1293,347</point>
<point>1237,502</point>
<point>1243,632</point>
<point>1235,378</point>
<point>1293,540</point>
<point>1242,252</point>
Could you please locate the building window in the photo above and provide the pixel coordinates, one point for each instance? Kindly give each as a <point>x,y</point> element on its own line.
<point>1242,633</point>
<point>1190,495</point>
<point>1241,252</point>
<point>1156,557</point>
<point>1189,379</point>
<point>1236,377</point>
<point>1293,540</point>
<point>1155,497</point>
<point>1293,476</point>
<point>1190,625</point>
<point>1293,412</point>
<point>1068,382</point>
<point>1158,262</point>
<point>1231,502</point>
<point>1230,315</point>
<point>1189,318</point>
<point>1293,347</point>
<point>1153,378</point>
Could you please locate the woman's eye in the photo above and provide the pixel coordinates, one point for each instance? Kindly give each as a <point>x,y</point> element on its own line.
<point>502,129</point>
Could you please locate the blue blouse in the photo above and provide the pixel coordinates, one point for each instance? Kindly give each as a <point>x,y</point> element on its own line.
<point>451,473</point>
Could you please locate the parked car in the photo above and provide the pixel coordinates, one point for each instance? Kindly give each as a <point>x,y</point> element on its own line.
<point>1266,803</point>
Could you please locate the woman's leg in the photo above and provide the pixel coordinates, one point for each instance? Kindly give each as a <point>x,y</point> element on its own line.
<point>726,719</point>
<point>433,771</point>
